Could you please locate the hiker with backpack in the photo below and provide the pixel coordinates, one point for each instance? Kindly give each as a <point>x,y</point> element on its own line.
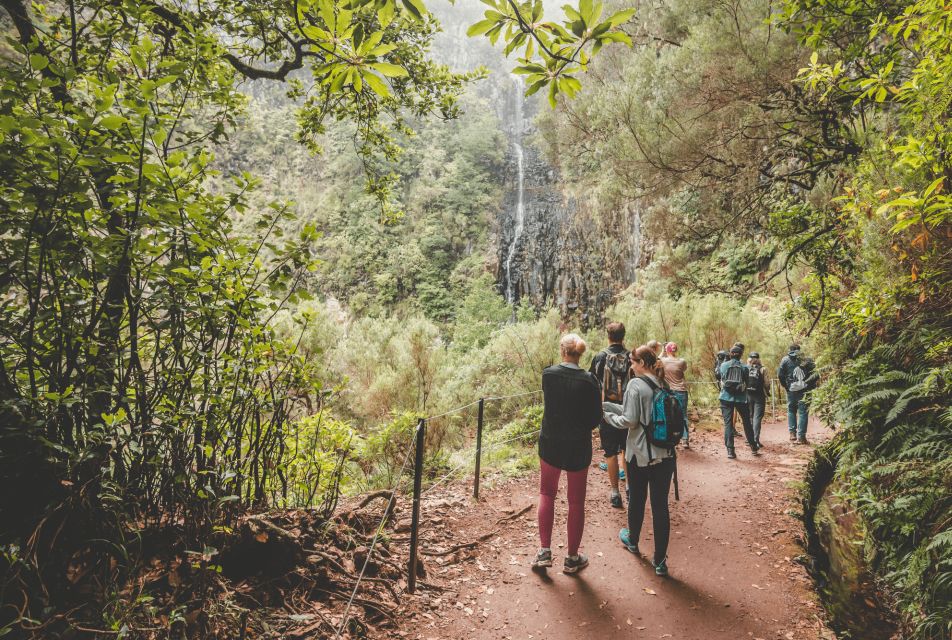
<point>652,416</point>
<point>572,408</point>
<point>798,376</point>
<point>611,368</point>
<point>674,370</point>
<point>733,400</point>
<point>719,359</point>
<point>758,385</point>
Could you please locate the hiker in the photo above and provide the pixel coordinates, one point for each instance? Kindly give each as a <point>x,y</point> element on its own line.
<point>655,347</point>
<point>758,384</point>
<point>674,370</point>
<point>719,359</point>
<point>611,369</point>
<point>798,377</point>
<point>650,466</point>
<point>733,399</point>
<point>572,410</point>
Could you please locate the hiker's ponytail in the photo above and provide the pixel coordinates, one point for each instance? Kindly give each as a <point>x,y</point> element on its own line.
<point>646,356</point>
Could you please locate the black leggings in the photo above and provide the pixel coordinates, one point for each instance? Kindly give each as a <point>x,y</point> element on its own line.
<point>658,478</point>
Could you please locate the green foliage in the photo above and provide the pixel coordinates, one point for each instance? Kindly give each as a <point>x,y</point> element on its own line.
<point>385,448</point>
<point>552,52</point>
<point>891,317</point>
<point>146,378</point>
<point>318,449</point>
<point>898,457</point>
<point>481,313</point>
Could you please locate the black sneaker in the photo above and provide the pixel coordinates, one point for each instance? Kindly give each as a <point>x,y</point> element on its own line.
<point>616,501</point>
<point>543,559</point>
<point>731,454</point>
<point>574,565</point>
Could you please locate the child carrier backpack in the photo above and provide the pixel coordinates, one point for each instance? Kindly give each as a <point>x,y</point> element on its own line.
<point>798,379</point>
<point>667,424</point>
<point>615,377</point>
<point>755,380</point>
<point>734,382</point>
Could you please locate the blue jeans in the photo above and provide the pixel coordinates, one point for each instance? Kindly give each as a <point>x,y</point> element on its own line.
<point>682,397</point>
<point>798,411</point>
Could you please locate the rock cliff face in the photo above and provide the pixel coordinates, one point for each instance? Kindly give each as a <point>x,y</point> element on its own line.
<point>550,248</point>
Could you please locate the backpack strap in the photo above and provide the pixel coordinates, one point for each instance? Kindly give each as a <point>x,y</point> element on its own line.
<point>645,427</point>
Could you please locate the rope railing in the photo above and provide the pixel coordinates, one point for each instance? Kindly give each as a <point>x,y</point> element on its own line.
<point>373,542</point>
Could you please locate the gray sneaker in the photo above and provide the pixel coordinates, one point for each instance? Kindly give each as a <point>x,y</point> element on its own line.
<point>543,559</point>
<point>574,565</point>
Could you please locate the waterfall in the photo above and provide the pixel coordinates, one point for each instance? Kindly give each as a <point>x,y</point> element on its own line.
<point>520,213</point>
<point>520,223</point>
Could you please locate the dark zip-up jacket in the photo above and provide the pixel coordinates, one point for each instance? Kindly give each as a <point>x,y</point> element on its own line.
<point>572,409</point>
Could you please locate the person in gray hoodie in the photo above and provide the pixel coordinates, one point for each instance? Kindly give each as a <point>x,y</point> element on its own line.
<point>649,469</point>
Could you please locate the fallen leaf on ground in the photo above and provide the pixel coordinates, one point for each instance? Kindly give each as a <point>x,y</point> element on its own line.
<point>650,592</point>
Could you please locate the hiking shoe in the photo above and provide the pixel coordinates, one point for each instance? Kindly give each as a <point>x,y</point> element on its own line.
<point>661,569</point>
<point>603,466</point>
<point>793,437</point>
<point>760,446</point>
<point>543,559</point>
<point>625,536</point>
<point>802,440</point>
<point>616,501</point>
<point>574,565</point>
<point>730,454</point>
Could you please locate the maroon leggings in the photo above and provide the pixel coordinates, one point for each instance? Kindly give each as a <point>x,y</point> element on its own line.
<point>548,489</point>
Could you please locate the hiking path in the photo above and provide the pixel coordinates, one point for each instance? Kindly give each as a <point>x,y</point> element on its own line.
<point>735,564</point>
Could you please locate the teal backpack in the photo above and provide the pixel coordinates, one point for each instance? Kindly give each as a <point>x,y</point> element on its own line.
<point>667,419</point>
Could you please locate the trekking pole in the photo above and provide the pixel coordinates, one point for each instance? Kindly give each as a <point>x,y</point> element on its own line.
<point>677,494</point>
<point>415,522</point>
<point>479,446</point>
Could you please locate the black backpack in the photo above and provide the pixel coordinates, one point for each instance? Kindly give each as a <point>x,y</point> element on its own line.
<point>734,379</point>
<point>755,378</point>
<point>615,376</point>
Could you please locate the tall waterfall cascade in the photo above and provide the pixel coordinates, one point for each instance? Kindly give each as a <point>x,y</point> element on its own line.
<point>551,248</point>
<point>519,215</point>
<point>520,221</point>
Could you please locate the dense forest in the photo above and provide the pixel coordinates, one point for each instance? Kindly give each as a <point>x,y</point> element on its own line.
<point>246,246</point>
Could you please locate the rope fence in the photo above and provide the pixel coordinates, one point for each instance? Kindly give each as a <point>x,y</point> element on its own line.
<point>373,542</point>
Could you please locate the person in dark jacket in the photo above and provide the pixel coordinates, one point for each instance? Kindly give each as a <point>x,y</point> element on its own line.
<point>758,386</point>
<point>572,409</point>
<point>798,377</point>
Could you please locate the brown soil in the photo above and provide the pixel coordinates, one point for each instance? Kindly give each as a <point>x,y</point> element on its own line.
<point>733,558</point>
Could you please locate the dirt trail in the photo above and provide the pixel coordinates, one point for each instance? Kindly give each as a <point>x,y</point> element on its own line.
<point>732,558</point>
